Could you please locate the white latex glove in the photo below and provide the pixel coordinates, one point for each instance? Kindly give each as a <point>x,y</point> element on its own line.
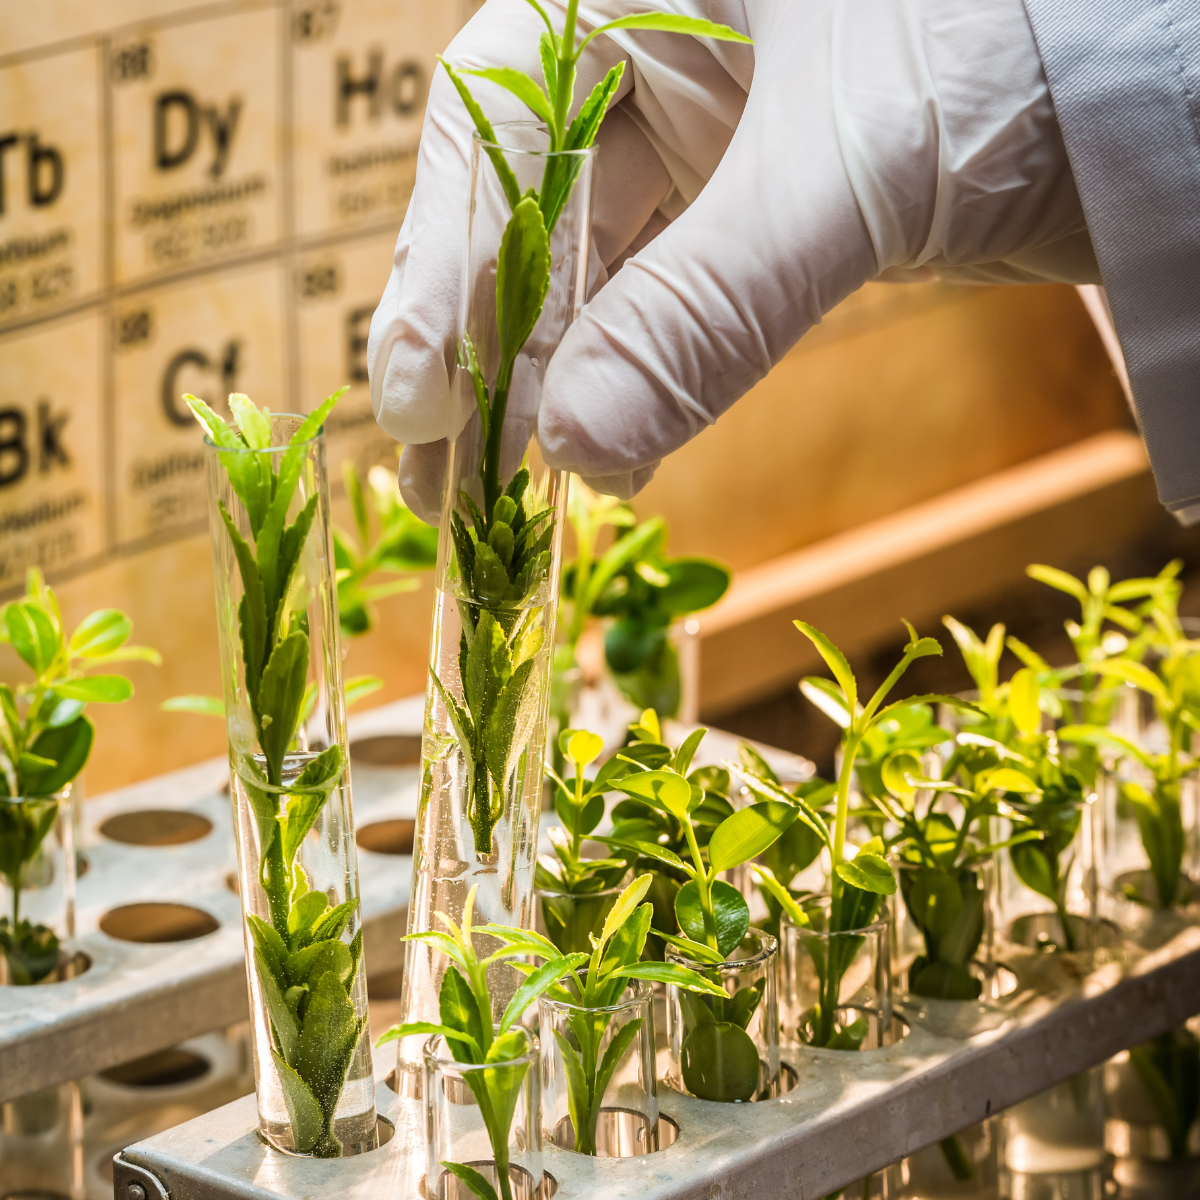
<point>742,192</point>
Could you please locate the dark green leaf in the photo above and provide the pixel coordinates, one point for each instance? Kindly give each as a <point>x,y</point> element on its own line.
<point>730,914</point>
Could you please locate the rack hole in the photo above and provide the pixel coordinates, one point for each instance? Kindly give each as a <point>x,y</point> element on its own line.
<point>155,922</point>
<point>387,750</point>
<point>164,1068</point>
<point>388,837</point>
<point>156,827</point>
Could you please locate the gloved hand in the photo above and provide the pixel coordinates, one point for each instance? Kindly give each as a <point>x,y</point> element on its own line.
<point>742,192</point>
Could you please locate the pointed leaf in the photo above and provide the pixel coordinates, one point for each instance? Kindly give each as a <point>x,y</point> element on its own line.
<point>522,276</point>
<point>541,979</point>
<point>835,660</point>
<point>308,1122</point>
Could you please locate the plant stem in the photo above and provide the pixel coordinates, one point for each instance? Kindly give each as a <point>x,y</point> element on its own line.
<point>837,853</point>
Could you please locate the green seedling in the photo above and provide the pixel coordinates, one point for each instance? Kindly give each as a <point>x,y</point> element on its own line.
<point>502,548</point>
<point>614,963</point>
<point>640,592</point>
<point>45,741</point>
<point>305,959</point>
<point>941,865</point>
<point>858,884</point>
<point>577,890</point>
<point>718,1058</point>
<point>465,1008</point>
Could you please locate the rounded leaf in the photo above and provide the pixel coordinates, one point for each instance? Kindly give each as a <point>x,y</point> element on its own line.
<point>719,1061</point>
<point>584,747</point>
<point>663,789</point>
<point>870,873</point>
<point>101,633</point>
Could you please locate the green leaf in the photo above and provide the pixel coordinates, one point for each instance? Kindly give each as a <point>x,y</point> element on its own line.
<point>308,1122</point>
<point>583,747</point>
<point>472,1178</point>
<point>748,833</point>
<point>69,747</point>
<point>693,584</point>
<point>268,942</point>
<point>459,1008</point>
<point>696,951</point>
<point>827,696</point>
<point>869,873</point>
<point>287,1032</point>
<point>548,55</point>
<point>687,751</point>
<point>201,706</point>
<point>101,633</point>
<point>786,901</point>
<point>626,902</point>
<point>304,915</point>
<point>537,983</point>
<point>664,789</point>
<point>1036,865</point>
<point>1023,696</point>
<point>510,723</point>
<point>673,973</point>
<point>616,1050</point>
<point>308,796</point>
<point>934,900</point>
<point>255,424</point>
<point>309,964</point>
<point>280,696</point>
<point>327,1036</point>
<point>96,689</point>
<point>719,1061</point>
<point>1005,779</point>
<point>730,914</point>
<point>32,634</point>
<point>835,660</point>
<point>521,86</point>
<point>360,687</point>
<point>522,277</point>
<point>414,1027</point>
<point>1053,577</point>
<point>252,611</point>
<point>670,23</point>
<point>508,180</point>
<point>334,922</point>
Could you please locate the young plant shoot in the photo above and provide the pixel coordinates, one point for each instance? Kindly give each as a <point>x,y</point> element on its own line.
<point>614,962</point>
<point>859,883</point>
<point>502,548</point>
<point>305,968</point>
<point>577,891</point>
<point>45,741</point>
<point>942,864</point>
<point>636,822</point>
<point>465,1008</point>
<point>718,1059</point>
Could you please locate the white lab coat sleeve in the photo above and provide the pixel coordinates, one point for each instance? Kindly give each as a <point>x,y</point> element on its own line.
<point>1124,77</point>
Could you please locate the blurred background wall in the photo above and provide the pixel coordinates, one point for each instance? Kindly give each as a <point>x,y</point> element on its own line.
<point>205,198</point>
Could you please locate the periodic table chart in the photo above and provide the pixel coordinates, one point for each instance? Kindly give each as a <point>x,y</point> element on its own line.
<point>200,199</point>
